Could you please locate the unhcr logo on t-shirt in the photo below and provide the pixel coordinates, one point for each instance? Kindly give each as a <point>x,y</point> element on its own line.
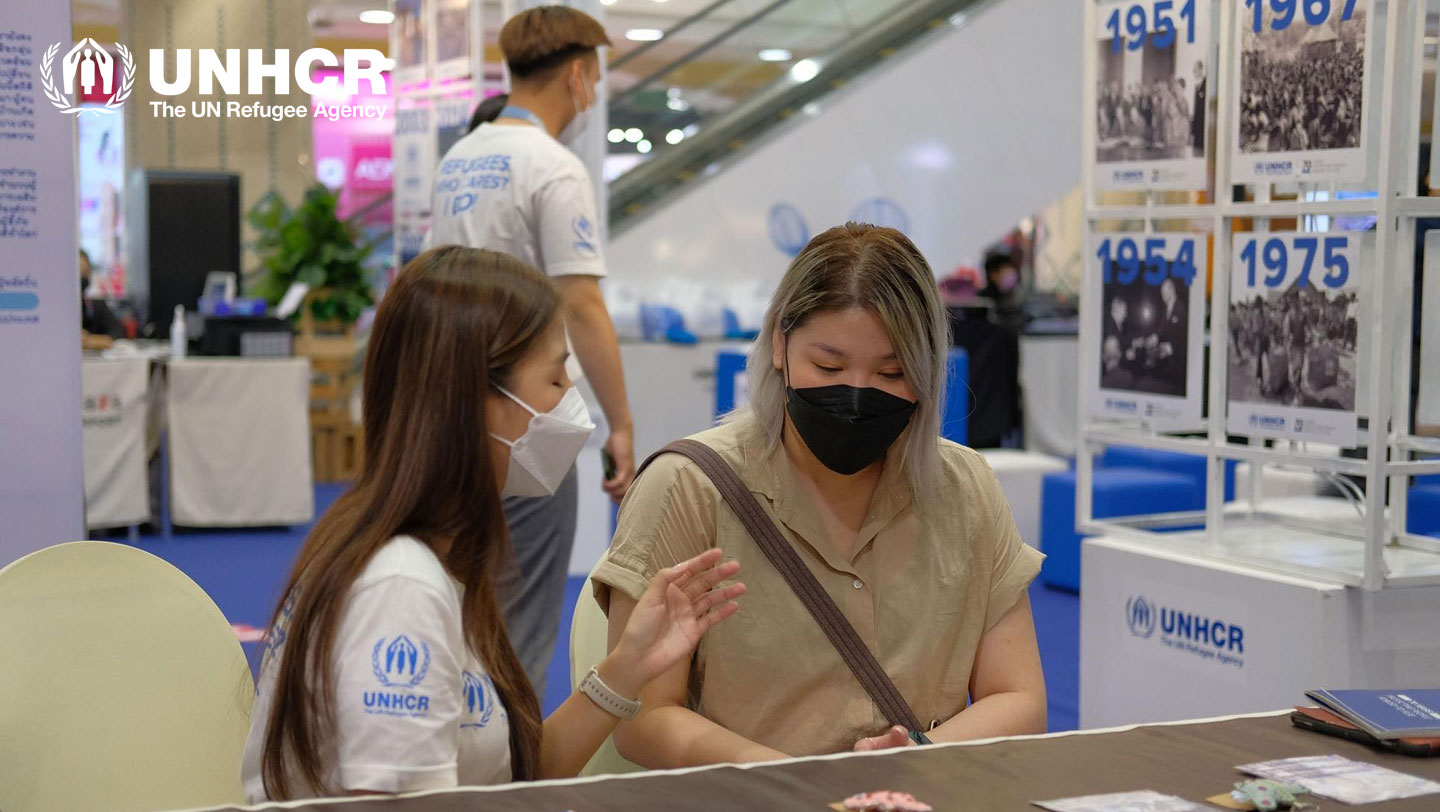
<point>400,663</point>
<point>479,699</point>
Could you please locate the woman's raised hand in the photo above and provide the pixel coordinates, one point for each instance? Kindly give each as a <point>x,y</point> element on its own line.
<point>680,605</point>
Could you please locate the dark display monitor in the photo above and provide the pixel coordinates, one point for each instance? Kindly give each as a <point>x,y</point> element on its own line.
<point>181,226</point>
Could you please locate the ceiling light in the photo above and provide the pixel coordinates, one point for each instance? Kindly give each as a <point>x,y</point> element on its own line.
<point>634,135</point>
<point>607,2</point>
<point>644,34</point>
<point>775,55</point>
<point>616,135</point>
<point>377,16</point>
<point>644,147</point>
<point>674,137</point>
<point>805,70</point>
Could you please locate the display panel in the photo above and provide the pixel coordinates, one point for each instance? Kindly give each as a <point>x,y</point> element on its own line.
<point>1151,94</point>
<point>1299,107</point>
<point>1149,339</point>
<point>1298,328</point>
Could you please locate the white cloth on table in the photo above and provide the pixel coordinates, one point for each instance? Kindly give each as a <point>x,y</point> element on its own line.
<point>240,442</point>
<point>116,403</point>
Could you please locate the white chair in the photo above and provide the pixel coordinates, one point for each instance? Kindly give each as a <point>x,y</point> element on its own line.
<point>589,633</point>
<point>123,687</point>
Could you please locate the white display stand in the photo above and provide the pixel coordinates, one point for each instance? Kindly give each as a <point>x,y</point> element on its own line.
<point>1325,593</point>
<point>1289,635</point>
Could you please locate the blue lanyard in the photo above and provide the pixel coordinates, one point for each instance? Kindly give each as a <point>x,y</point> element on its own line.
<point>515,111</point>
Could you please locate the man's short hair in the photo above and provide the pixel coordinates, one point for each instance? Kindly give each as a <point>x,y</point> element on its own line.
<point>541,39</point>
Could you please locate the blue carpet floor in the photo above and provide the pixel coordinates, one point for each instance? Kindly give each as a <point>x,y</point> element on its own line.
<point>244,570</point>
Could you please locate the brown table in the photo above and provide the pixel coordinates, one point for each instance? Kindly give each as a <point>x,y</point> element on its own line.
<point>1193,761</point>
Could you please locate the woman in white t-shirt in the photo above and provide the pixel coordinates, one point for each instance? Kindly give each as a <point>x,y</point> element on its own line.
<point>389,669</point>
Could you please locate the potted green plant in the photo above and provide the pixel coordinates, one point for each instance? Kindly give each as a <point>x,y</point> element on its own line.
<point>311,244</point>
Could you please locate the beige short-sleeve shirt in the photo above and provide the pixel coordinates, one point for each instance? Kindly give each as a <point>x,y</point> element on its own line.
<point>927,579</point>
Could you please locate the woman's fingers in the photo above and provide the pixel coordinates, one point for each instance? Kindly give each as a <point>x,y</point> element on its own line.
<point>682,573</point>
<point>708,620</point>
<point>701,583</point>
<point>716,597</point>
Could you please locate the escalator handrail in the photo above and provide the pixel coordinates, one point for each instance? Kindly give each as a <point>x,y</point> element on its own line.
<point>673,30</point>
<point>698,50</point>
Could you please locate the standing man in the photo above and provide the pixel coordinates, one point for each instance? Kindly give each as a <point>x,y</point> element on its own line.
<point>1174,339</point>
<point>511,186</point>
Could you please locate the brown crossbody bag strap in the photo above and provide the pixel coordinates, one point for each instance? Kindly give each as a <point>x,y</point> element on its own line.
<point>802,581</point>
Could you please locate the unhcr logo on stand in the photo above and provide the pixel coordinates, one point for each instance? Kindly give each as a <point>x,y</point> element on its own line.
<point>1140,614</point>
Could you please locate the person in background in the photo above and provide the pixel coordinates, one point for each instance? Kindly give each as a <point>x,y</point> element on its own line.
<point>488,110</point>
<point>512,186</point>
<point>1002,286</point>
<point>909,534</point>
<point>389,668</point>
<point>99,326</point>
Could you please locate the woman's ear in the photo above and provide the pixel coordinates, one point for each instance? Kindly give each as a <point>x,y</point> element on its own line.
<point>777,343</point>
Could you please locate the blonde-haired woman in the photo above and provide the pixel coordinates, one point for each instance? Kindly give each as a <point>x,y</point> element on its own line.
<point>908,534</point>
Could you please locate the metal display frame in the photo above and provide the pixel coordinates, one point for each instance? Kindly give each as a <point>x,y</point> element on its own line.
<point>1392,447</point>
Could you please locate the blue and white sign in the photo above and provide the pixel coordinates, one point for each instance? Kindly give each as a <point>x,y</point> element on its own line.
<point>414,160</point>
<point>1301,80</point>
<point>882,211</point>
<point>1298,324</point>
<point>787,229</point>
<point>1147,333</point>
<point>452,122</point>
<point>1178,627</point>
<point>1152,94</point>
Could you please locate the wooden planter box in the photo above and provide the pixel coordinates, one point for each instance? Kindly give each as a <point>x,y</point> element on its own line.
<point>336,440</point>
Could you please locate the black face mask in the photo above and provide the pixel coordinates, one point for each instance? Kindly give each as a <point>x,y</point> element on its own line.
<point>847,428</point>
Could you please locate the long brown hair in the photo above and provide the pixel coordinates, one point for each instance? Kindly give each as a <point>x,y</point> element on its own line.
<point>455,321</point>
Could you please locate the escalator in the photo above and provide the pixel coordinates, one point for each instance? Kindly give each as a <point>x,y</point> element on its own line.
<point>698,93</point>
<point>951,120</point>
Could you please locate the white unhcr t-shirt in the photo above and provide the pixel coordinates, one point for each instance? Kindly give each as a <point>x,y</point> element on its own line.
<point>415,708</point>
<point>513,188</point>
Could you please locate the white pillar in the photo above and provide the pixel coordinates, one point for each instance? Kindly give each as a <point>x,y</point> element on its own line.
<point>42,488</point>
